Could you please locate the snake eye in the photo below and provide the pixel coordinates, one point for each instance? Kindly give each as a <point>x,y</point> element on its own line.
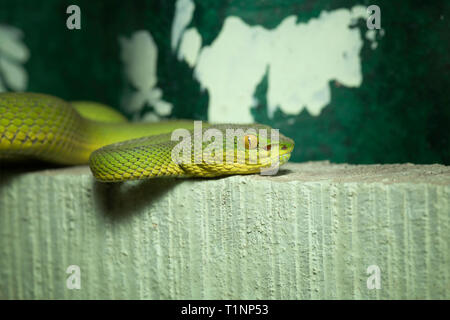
<point>251,141</point>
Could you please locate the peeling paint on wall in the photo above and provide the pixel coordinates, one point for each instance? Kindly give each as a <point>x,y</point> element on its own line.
<point>301,59</point>
<point>371,35</point>
<point>231,68</point>
<point>13,54</point>
<point>139,55</point>
<point>190,46</point>
<point>184,11</point>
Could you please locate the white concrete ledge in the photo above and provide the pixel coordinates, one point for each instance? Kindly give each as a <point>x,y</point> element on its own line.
<point>309,233</point>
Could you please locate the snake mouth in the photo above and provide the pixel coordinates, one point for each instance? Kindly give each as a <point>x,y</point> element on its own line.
<point>283,156</point>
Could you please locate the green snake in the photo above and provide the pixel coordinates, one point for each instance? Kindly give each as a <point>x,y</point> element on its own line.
<point>47,128</point>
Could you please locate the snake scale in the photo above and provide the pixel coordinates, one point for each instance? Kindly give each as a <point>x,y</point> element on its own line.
<point>44,127</point>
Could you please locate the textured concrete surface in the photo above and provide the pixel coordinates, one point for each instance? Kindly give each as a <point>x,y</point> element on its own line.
<point>310,232</point>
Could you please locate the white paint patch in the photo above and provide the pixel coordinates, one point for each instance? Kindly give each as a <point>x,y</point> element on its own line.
<point>13,54</point>
<point>231,68</point>
<point>358,12</point>
<point>184,10</point>
<point>302,58</point>
<point>139,55</point>
<point>190,46</point>
<point>306,57</point>
<point>371,35</point>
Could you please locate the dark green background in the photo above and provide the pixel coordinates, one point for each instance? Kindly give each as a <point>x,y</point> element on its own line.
<point>400,113</point>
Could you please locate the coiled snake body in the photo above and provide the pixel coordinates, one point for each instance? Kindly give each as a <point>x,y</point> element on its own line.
<point>47,128</point>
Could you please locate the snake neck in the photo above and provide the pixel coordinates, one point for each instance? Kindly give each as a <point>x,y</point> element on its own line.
<point>101,134</point>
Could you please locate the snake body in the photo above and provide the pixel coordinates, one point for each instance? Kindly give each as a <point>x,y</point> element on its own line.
<point>48,128</point>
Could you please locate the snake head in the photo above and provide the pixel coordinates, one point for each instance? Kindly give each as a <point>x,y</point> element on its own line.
<point>238,149</point>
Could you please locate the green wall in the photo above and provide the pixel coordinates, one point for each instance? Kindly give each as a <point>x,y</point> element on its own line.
<point>400,112</point>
